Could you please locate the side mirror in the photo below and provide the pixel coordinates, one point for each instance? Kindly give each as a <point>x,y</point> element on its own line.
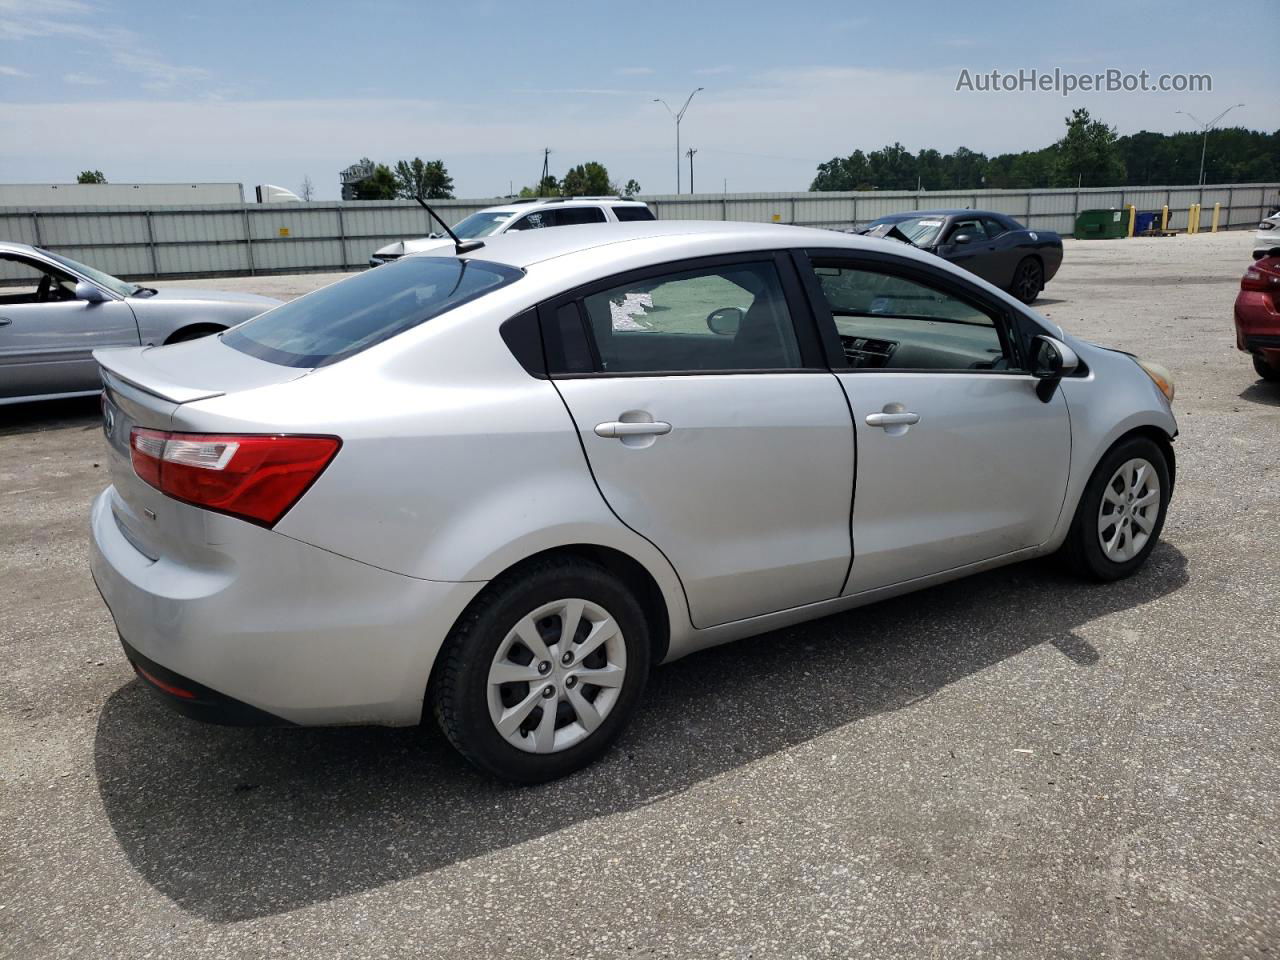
<point>1051,360</point>
<point>89,293</point>
<point>960,238</point>
<point>726,321</point>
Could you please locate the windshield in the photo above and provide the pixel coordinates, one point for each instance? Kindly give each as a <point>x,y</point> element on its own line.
<point>352,315</point>
<point>118,287</point>
<point>480,224</point>
<point>921,231</point>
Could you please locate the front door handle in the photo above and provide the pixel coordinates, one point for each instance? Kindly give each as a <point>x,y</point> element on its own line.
<point>5,321</point>
<point>904,419</point>
<point>617,429</point>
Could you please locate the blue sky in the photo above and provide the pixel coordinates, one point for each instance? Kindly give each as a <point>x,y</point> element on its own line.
<point>271,91</point>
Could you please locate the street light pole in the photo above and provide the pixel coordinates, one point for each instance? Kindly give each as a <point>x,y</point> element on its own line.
<point>689,153</point>
<point>677,117</point>
<point>1206,127</point>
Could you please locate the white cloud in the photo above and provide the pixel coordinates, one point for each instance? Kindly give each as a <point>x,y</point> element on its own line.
<point>157,73</point>
<point>81,79</point>
<point>7,71</point>
<point>715,71</point>
<point>634,71</point>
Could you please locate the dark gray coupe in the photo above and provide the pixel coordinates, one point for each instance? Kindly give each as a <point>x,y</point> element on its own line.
<point>994,246</point>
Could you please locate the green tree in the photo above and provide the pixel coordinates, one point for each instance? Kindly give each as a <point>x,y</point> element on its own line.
<point>380,186</point>
<point>586,180</point>
<point>631,189</point>
<point>91,176</point>
<point>1088,154</point>
<point>429,180</point>
<point>549,187</point>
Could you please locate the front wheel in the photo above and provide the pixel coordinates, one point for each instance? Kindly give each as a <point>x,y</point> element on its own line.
<point>1028,280</point>
<point>1265,370</point>
<point>1121,512</point>
<point>543,672</point>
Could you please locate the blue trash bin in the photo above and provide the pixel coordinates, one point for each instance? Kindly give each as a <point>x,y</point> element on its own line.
<point>1145,220</point>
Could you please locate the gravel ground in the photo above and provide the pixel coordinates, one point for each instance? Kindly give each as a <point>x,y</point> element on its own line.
<point>1015,765</point>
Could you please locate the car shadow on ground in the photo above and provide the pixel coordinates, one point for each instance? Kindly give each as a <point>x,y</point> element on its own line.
<point>1264,392</point>
<point>19,418</point>
<point>233,824</point>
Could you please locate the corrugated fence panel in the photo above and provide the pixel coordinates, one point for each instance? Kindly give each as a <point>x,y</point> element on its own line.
<point>222,238</point>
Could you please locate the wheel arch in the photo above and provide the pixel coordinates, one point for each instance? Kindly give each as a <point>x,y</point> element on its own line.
<point>203,328</point>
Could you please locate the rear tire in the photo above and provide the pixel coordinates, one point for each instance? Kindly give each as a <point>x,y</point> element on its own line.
<point>1028,280</point>
<point>1265,370</point>
<point>1110,540</point>
<point>512,687</point>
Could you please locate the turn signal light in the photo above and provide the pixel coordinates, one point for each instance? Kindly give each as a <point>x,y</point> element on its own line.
<point>254,477</point>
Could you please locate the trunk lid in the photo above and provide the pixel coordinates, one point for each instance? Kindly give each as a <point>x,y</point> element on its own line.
<point>144,387</point>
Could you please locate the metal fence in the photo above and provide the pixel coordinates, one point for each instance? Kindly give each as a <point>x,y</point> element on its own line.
<point>251,238</point>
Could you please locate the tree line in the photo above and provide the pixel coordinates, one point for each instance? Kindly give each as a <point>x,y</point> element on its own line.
<point>1090,154</point>
<point>430,180</point>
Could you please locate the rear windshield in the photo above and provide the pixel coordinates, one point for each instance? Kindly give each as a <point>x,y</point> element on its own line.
<point>633,213</point>
<point>354,314</point>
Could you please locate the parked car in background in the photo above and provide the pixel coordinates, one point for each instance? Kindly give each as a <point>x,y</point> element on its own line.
<point>1257,315</point>
<point>1266,242</point>
<point>497,486</point>
<point>54,312</point>
<point>995,247</point>
<point>531,214</point>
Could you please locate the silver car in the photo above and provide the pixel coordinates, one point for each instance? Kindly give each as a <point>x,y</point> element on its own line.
<point>498,487</point>
<point>54,312</point>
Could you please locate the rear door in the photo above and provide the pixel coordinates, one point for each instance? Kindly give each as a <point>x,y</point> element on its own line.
<point>958,459</point>
<point>731,451</point>
<point>47,336</point>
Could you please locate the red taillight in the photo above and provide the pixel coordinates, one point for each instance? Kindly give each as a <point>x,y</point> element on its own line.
<point>254,477</point>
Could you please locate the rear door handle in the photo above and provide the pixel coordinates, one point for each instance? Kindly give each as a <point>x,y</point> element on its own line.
<point>616,429</point>
<point>892,419</point>
<point>5,321</point>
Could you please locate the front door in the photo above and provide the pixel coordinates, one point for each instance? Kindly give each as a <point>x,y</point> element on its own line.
<point>958,460</point>
<point>714,429</point>
<point>47,336</point>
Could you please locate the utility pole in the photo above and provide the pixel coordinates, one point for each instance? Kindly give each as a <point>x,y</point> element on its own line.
<point>1206,127</point>
<point>546,168</point>
<point>689,153</point>
<point>677,117</point>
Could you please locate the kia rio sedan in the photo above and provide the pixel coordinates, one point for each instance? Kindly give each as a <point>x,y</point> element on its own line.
<point>499,486</point>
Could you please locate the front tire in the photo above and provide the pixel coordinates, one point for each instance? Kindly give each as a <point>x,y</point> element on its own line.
<point>1028,280</point>
<point>1121,512</point>
<point>543,672</point>
<point>1265,370</point>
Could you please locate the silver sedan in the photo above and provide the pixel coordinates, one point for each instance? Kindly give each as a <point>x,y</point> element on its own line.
<point>497,486</point>
<point>54,312</point>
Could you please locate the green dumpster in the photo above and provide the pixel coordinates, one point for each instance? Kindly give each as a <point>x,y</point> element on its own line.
<point>1102,224</point>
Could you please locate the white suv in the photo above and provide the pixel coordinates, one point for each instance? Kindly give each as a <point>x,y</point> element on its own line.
<point>532,214</point>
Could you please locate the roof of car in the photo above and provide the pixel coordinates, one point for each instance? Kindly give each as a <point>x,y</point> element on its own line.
<point>682,238</point>
<point>525,203</point>
<point>954,212</point>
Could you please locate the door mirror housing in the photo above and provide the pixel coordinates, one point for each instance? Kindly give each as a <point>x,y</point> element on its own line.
<point>961,238</point>
<point>89,292</point>
<point>1051,360</point>
<point>726,321</point>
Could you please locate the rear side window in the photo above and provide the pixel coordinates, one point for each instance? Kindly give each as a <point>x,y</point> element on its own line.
<point>352,315</point>
<point>633,213</point>
<point>572,216</point>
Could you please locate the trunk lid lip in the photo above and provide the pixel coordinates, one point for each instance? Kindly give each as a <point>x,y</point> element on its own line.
<point>108,360</point>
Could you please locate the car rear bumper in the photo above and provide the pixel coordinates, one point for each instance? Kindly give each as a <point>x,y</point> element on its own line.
<point>272,630</point>
<point>1257,323</point>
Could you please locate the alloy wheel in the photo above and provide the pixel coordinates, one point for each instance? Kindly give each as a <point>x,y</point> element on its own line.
<point>1129,509</point>
<point>556,675</point>
<point>1028,283</point>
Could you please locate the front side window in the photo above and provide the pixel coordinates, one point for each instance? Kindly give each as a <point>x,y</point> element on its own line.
<point>890,322</point>
<point>116,286</point>
<point>970,225</point>
<point>352,315</point>
<point>714,318</point>
<point>26,281</point>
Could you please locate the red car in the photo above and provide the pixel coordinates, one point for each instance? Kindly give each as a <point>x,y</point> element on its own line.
<point>1258,316</point>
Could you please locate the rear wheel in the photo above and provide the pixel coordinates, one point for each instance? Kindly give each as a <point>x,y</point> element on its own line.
<point>1265,370</point>
<point>1121,513</point>
<point>544,671</point>
<point>1028,280</point>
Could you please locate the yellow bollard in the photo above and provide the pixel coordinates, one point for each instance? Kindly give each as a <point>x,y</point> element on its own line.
<point>1217,212</point>
<point>1133,215</point>
<point>1193,218</point>
<point>1164,218</point>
